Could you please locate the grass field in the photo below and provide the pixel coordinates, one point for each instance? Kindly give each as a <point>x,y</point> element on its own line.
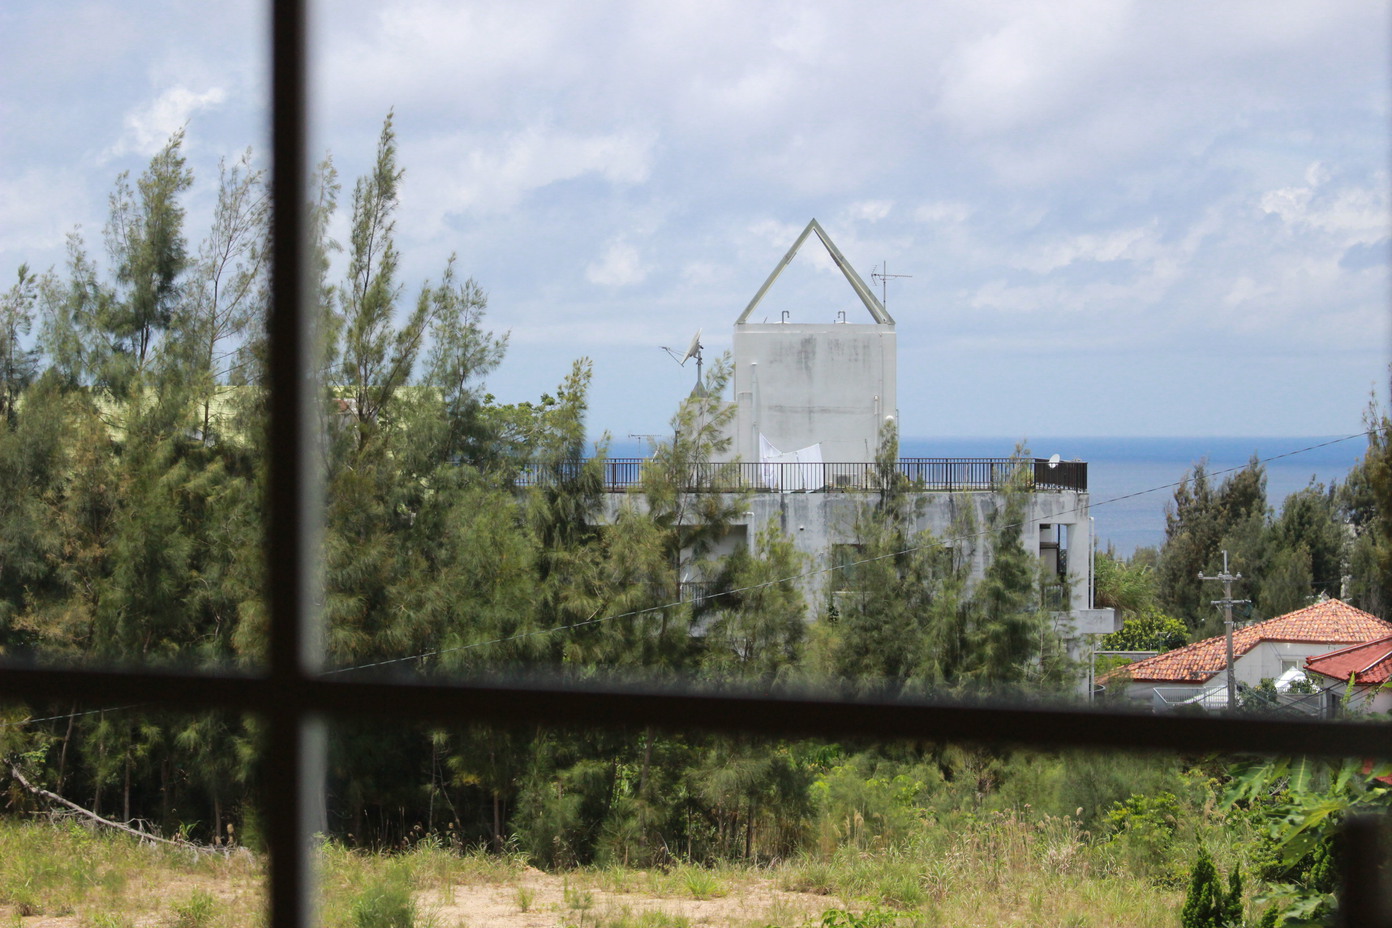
<point>1001,870</point>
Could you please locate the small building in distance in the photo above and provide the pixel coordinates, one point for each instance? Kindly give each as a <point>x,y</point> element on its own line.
<point>1366,667</point>
<point>1196,674</point>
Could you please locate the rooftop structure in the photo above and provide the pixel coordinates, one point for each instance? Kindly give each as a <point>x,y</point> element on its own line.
<point>814,391</point>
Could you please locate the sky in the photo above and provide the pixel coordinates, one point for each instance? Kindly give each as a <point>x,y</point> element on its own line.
<point>1117,218</point>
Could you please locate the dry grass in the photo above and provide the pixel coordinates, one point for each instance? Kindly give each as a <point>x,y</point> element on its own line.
<point>996,870</point>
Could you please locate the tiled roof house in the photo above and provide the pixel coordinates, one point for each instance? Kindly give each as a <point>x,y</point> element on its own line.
<point>1370,667</point>
<point>1261,650</point>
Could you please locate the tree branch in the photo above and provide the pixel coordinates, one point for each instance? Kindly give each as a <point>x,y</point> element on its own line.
<point>144,836</point>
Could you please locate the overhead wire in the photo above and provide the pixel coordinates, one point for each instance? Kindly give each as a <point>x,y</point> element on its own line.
<point>945,543</point>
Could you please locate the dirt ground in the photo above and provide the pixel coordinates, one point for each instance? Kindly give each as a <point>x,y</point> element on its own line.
<point>542,900</point>
<point>531,899</point>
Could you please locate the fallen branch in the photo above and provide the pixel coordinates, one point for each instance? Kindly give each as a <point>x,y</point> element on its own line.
<point>142,835</point>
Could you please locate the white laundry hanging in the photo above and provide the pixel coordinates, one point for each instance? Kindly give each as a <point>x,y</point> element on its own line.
<point>790,471</point>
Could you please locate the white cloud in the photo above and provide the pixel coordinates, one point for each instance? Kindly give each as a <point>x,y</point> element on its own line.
<point>1035,63</point>
<point>620,266</point>
<point>491,174</point>
<point>1246,290</point>
<point>40,207</point>
<point>1350,214</point>
<point>1122,244</point>
<point>943,212</point>
<point>870,210</point>
<point>148,127</point>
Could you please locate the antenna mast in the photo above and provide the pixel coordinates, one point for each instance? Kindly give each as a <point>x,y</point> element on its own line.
<point>878,276</point>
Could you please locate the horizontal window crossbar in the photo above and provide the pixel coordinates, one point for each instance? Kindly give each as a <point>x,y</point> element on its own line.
<point>585,704</point>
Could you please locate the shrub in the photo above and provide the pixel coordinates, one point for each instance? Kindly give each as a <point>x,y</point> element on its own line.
<point>385,903</point>
<point>1206,905</point>
<point>199,910</point>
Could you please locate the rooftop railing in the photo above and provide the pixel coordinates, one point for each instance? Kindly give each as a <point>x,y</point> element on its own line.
<point>928,474</point>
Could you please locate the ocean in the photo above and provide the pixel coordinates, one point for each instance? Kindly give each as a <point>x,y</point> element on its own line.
<point>1131,479</point>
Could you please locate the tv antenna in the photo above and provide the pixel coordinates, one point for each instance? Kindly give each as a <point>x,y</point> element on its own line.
<point>692,351</point>
<point>879,276</point>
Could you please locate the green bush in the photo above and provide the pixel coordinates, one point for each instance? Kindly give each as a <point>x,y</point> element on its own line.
<point>1206,905</point>
<point>199,910</point>
<point>385,903</point>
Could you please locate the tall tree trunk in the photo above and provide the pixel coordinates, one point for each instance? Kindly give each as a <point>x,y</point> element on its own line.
<point>749,831</point>
<point>63,754</point>
<point>497,822</point>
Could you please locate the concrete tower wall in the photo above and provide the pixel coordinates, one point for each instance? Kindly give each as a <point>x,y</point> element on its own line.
<point>803,384</point>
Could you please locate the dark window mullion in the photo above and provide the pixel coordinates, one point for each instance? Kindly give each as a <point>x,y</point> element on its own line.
<point>293,507</point>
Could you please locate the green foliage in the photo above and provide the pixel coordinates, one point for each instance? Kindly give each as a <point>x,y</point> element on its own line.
<point>870,918</point>
<point>1199,525</point>
<point>1206,904</point>
<point>1132,589</point>
<point>757,630</point>
<point>197,910</point>
<point>386,902</point>
<point>1365,502</point>
<point>1152,631</point>
<point>909,618</point>
<point>1299,806</point>
<point>145,237</point>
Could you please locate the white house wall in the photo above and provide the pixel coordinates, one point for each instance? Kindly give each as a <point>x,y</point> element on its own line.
<point>1263,662</point>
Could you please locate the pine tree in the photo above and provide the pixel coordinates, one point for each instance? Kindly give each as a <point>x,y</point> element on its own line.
<point>1204,901</point>
<point>145,236</point>
<point>18,363</point>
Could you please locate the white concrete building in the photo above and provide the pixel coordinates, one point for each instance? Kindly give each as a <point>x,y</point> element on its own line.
<point>811,402</point>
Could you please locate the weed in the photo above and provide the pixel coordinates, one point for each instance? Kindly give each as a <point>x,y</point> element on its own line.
<point>581,900</point>
<point>101,920</point>
<point>700,883</point>
<point>870,918</point>
<point>199,910</point>
<point>385,903</point>
<point>525,897</point>
<point>646,920</point>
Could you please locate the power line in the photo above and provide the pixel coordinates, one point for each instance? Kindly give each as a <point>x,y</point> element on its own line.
<point>946,543</point>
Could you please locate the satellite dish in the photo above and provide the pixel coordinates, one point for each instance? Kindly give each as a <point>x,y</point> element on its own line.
<point>693,350</point>
<point>1053,460</point>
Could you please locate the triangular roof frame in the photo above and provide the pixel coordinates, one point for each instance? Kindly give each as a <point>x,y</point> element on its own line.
<point>867,296</point>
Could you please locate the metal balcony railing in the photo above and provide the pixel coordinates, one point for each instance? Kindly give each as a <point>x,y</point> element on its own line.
<point>929,474</point>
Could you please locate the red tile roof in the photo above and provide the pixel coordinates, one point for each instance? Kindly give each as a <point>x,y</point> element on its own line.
<point>1368,663</point>
<point>1330,622</point>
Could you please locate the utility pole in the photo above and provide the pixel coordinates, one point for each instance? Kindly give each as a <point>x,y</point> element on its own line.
<point>1227,602</point>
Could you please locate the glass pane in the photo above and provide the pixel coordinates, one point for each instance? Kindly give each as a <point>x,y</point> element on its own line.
<point>519,479</point>
<point>558,826</point>
<point>135,158</point>
<point>130,815</point>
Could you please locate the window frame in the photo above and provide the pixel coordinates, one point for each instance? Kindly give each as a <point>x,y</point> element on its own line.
<point>294,698</point>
